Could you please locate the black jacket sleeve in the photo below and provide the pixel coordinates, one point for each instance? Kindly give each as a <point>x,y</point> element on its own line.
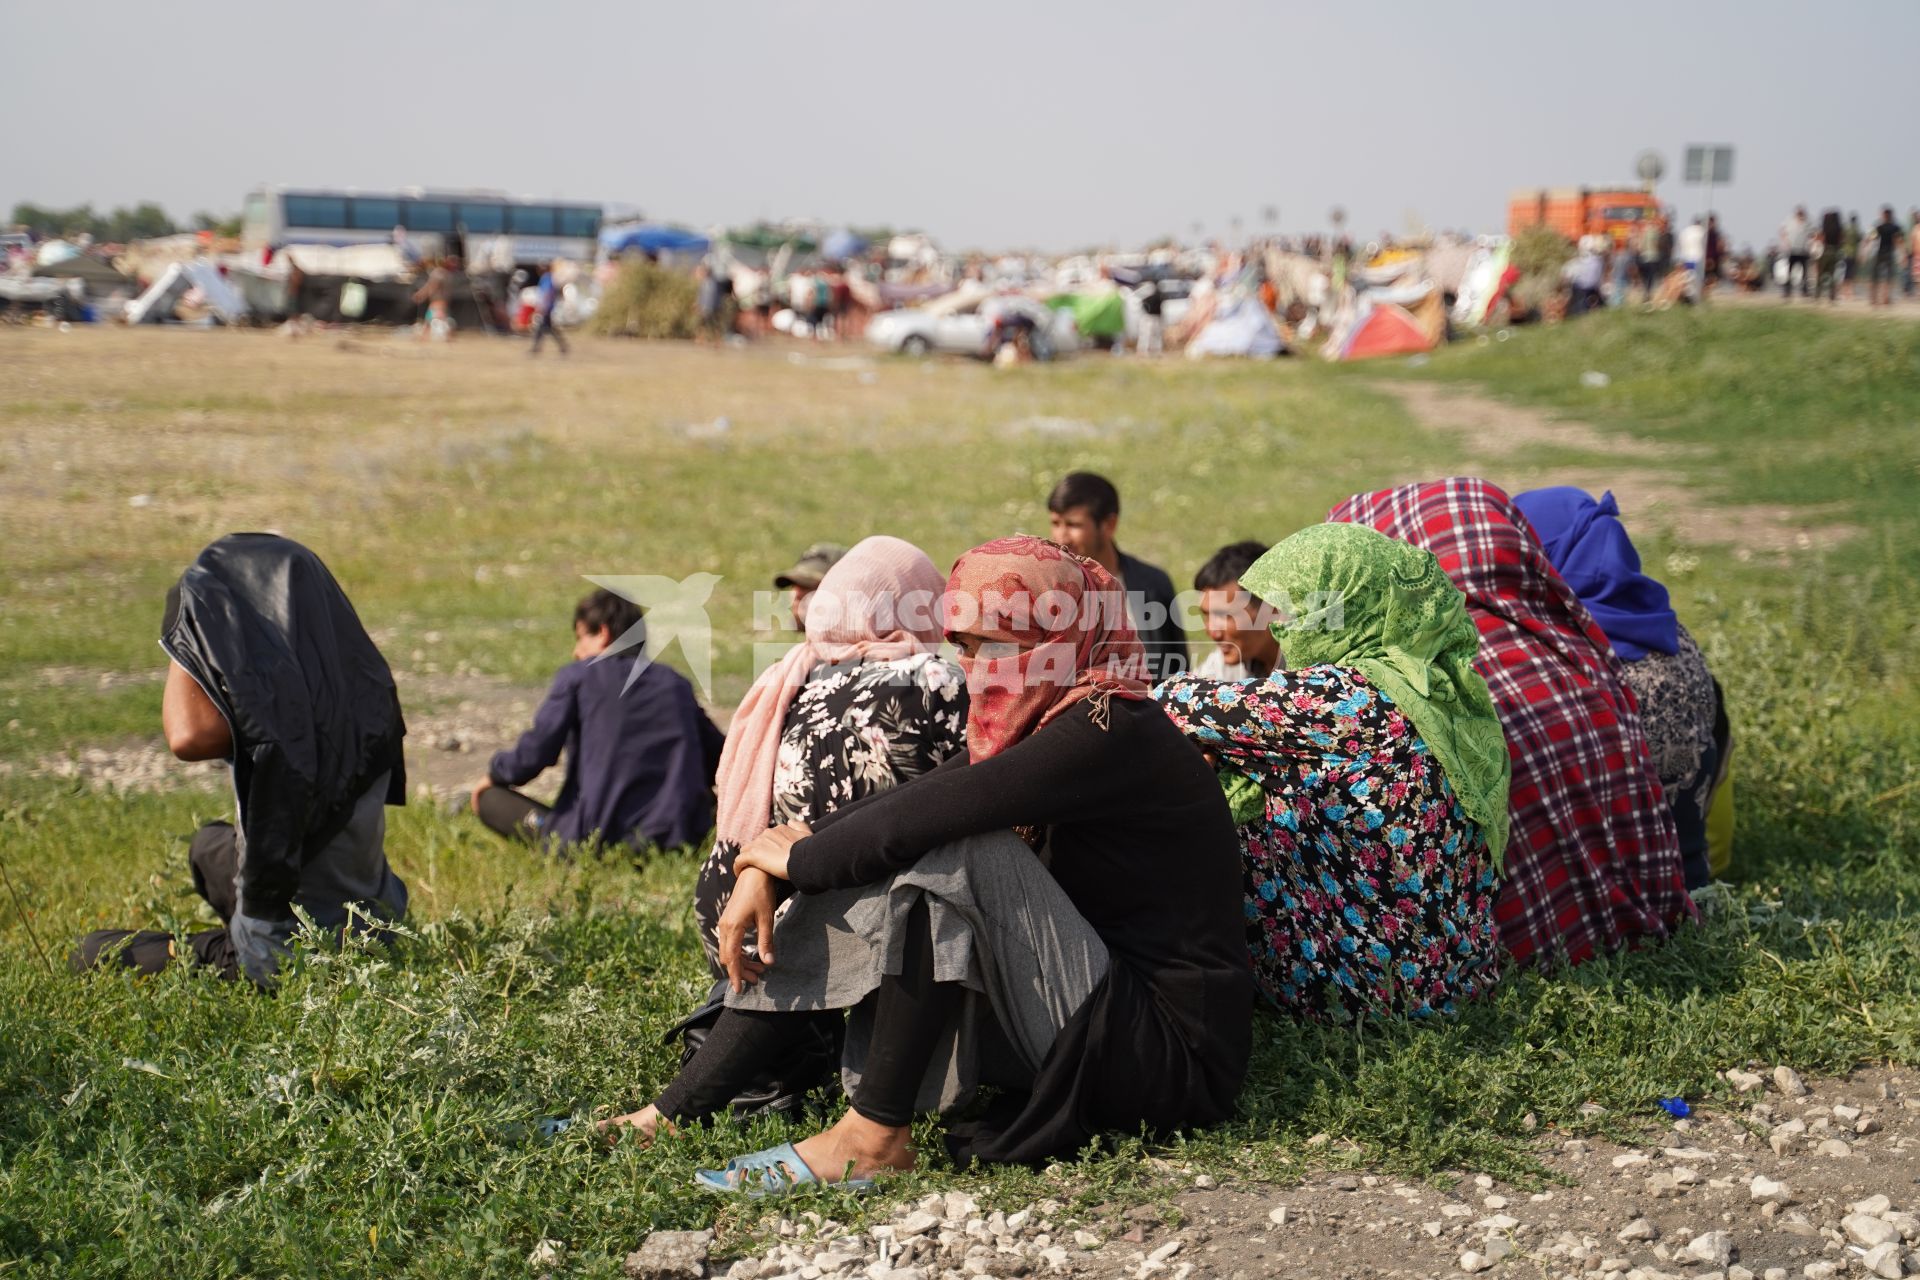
<point>712,742</point>
<point>1072,770</point>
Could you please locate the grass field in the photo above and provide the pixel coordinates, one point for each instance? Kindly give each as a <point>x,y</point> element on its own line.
<point>371,1118</point>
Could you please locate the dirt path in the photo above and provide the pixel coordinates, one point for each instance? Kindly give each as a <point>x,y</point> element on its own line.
<point>1648,477</point>
<point>1854,308</point>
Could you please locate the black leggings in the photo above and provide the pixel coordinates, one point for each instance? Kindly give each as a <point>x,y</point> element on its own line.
<point>910,1011</point>
<point>515,816</point>
<point>214,858</point>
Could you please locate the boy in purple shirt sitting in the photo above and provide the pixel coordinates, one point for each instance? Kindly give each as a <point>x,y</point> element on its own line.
<point>640,759</point>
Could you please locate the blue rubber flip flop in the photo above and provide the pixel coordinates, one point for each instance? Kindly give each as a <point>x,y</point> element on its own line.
<point>777,1171</point>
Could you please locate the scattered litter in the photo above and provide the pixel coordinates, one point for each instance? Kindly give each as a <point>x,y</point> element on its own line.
<point>1595,379</point>
<point>141,1064</point>
<point>140,500</point>
<point>1047,425</point>
<point>1676,1107</point>
<point>715,430</point>
<point>1420,361</point>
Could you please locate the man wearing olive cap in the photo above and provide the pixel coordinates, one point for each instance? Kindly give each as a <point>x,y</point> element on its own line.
<point>805,576</point>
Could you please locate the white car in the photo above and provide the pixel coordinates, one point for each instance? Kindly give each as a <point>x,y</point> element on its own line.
<point>919,331</point>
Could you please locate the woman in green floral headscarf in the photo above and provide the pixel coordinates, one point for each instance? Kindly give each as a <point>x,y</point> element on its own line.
<point>1369,775</point>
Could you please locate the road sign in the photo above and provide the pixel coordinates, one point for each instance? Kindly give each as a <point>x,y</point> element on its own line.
<point>1649,166</point>
<point>1709,165</point>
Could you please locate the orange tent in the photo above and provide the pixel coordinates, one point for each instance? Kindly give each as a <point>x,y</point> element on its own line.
<point>1386,330</point>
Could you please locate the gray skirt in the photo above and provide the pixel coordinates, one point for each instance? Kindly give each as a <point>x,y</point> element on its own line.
<point>1002,928</point>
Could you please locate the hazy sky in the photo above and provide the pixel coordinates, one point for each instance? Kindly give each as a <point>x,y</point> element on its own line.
<point>1050,123</point>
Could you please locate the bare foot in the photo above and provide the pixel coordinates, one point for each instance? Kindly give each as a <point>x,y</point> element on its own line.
<point>644,1123</point>
<point>857,1147</point>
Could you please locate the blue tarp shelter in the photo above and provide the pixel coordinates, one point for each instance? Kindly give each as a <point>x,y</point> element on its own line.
<point>652,237</point>
<point>841,245</point>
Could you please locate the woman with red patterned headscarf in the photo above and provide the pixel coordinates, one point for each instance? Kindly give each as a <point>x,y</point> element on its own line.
<point>1091,965</point>
<point>1593,862</point>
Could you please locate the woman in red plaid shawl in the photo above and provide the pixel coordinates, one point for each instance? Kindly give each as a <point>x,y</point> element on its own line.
<point>1593,862</point>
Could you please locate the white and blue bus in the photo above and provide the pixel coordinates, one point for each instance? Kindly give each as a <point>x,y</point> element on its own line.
<point>486,228</point>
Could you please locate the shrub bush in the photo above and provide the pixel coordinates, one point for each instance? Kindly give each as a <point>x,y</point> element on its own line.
<point>646,301</point>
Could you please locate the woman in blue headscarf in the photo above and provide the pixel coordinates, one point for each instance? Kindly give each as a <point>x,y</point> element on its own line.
<point>1681,706</point>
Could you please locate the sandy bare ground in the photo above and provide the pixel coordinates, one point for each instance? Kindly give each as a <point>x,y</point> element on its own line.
<point>1649,489</point>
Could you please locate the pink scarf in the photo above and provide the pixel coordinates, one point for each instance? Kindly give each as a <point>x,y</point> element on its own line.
<point>881,601</point>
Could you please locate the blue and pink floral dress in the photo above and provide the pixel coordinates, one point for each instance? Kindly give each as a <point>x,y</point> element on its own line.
<point>1368,888</point>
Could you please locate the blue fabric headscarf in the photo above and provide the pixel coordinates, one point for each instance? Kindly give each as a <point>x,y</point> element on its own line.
<point>1589,546</point>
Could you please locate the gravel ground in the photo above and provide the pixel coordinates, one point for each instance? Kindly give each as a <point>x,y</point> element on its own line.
<point>1817,1181</point>
<point>454,724</point>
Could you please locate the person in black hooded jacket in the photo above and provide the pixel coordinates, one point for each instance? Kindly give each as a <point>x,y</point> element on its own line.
<point>272,671</point>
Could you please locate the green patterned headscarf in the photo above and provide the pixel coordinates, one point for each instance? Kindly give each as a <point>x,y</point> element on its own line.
<point>1352,597</point>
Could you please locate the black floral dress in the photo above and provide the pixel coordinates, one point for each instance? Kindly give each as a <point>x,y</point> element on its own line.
<point>856,728</point>
<point>1368,888</point>
<point>1688,738</point>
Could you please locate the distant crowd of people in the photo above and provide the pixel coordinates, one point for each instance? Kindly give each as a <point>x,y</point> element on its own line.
<point>985,828</point>
<point>1829,257</point>
<point>1825,258</point>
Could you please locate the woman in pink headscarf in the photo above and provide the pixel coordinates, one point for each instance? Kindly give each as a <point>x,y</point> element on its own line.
<point>862,704</point>
<point>1056,912</point>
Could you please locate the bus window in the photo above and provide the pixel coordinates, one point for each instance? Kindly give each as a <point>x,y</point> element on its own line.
<point>580,222</point>
<point>328,213</point>
<point>531,219</point>
<point>483,219</point>
<point>429,215</point>
<point>375,215</point>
